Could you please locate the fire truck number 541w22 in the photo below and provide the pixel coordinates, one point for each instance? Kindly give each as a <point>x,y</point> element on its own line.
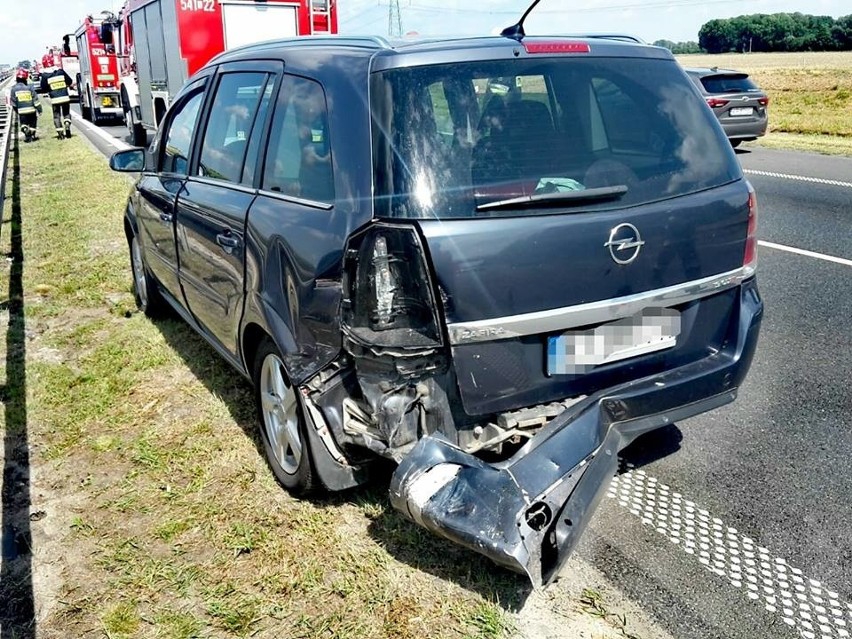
<point>198,5</point>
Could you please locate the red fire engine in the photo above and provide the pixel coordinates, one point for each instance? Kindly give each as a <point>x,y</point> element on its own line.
<point>97,81</point>
<point>163,42</point>
<point>65,57</point>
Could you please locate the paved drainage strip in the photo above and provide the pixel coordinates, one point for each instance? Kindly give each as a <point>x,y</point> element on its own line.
<point>815,611</point>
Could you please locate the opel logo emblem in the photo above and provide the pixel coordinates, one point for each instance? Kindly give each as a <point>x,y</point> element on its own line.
<point>624,243</point>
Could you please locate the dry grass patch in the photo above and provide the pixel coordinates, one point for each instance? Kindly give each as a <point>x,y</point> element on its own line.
<point>176,527</point>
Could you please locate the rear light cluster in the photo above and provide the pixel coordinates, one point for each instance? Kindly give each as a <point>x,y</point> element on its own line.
<point>388,298</point>
<point>750,257</point>
<point>716,102</point>
<point>764,101</point>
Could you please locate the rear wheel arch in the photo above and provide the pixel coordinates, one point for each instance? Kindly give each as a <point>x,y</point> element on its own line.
<point>253,336</point>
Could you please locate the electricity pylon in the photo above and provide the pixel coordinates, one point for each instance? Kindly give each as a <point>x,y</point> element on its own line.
<point>394,19</point>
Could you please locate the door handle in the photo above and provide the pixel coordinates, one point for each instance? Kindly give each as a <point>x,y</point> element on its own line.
<point>166,217</point>
<point>227,241</point>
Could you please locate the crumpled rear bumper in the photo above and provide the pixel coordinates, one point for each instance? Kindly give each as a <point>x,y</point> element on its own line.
<point>528,512</point>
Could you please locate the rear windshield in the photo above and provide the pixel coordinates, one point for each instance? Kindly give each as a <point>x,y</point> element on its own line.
<point>459,140</point>
<point>730,83</point>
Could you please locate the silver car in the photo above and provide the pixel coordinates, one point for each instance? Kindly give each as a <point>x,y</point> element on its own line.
<point>740,105</point>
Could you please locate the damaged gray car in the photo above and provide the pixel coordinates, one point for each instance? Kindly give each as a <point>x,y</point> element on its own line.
<point>495,261</point>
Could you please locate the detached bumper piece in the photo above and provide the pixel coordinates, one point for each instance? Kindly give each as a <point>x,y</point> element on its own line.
<point>528,512</point>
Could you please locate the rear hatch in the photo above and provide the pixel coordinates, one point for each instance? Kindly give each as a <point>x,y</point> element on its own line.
<point>554,195</point>
<point>734,97</point>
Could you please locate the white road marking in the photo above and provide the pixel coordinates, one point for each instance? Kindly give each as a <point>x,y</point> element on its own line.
<point>798,251</point>
<point>799,178</point>
<point>81,123</point>
<point>815,611</point>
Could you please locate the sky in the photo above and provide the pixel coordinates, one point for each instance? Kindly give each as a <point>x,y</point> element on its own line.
<point>28,27</point>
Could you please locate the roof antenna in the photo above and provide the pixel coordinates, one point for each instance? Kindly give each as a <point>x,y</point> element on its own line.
<point>516,31</point>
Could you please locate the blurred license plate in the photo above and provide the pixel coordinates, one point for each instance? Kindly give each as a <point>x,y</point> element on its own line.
<point>739,111</point>
<point>575,352</point>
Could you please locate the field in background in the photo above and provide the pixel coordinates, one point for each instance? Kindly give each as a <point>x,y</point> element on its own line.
<point>810,95</point>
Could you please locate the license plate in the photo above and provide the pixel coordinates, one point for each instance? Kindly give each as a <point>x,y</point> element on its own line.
<point>577,352</point>
<point>740,111</point>
<point>107,102</point>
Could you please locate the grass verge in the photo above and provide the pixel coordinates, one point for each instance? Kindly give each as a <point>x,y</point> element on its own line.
<point>160,515</point>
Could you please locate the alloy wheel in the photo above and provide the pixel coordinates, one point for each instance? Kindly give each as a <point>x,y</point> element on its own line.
<point>280,412</point>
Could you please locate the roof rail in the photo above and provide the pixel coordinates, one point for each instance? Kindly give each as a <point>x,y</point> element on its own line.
<point>375,41</point>
<point>623,37</point>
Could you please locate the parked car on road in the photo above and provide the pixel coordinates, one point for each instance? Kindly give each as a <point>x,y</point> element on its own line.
<point>495,261</point>
<point>740,105</point>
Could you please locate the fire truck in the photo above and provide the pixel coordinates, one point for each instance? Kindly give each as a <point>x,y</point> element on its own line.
<point>163,42</point>
<point>98,82</point>
<point>65,57</point>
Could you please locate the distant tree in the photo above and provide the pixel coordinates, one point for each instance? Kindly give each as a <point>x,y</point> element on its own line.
<point>717,36</point>
<point>841,33</point>
<point>679,48</point>
<point>776,32</point>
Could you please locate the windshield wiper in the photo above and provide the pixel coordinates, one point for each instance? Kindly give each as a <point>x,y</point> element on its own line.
<point>564,198</point>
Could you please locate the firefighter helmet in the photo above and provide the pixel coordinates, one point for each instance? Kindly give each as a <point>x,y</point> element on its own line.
<point>22,75</point>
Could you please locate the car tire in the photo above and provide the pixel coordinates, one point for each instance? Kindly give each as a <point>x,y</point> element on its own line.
<point>282,423</point>
<point>145,290</point>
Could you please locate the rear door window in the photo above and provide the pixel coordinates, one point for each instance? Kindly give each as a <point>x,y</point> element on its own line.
<point>627,126</point>
<point>298,157</point>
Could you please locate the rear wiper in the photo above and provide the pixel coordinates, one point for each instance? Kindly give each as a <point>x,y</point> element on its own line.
<point>564,198</point>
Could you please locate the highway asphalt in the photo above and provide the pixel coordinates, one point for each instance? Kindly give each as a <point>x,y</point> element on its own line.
<point>736,524</point>
<point>770,471</point>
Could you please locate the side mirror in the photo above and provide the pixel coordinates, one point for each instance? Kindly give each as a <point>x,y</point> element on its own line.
<point>128,161</point>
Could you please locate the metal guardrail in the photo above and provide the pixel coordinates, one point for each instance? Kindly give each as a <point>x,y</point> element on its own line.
<point>6,133</point>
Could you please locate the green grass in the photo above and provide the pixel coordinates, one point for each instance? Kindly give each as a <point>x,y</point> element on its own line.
<point>179,528</point>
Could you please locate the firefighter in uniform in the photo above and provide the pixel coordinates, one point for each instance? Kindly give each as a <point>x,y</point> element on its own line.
<point>25,102</point>
<point>56,83</point>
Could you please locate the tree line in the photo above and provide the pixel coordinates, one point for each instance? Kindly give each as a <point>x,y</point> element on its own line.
<point>769,32</point>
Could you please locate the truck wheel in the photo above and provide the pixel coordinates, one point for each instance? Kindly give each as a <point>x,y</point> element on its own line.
<point>95,112</point>
<point>148,298</point>
<point>86,105</point>
<point>137,133</point>
<point>282,424</point>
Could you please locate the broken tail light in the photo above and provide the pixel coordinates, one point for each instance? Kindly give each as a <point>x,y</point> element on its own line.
<point>750,257</point>
<point>388,296</point>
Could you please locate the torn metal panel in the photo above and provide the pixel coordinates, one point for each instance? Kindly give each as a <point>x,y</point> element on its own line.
<point>528,513</point>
